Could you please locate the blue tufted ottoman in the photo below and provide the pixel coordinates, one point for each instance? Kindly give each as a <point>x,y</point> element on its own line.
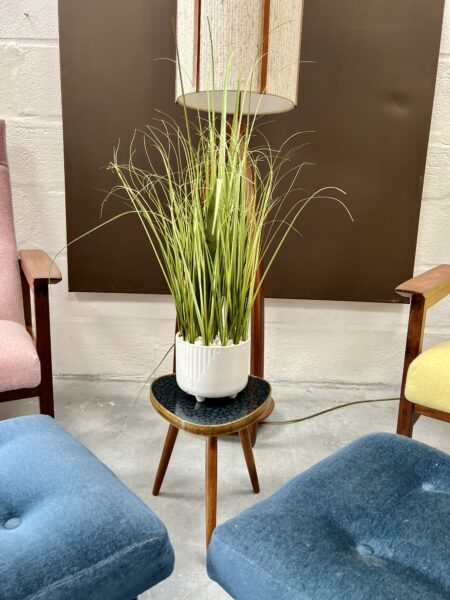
<point>69,529</point>
<point>371,522</point>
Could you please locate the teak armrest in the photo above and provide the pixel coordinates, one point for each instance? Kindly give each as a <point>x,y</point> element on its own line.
<point>38,268</point>
<point>433,285</point>
<point>425,290</point>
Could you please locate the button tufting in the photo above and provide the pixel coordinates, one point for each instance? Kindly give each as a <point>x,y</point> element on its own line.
<point>12,523</point>
<point>429,487</point>
<point>365,549</point>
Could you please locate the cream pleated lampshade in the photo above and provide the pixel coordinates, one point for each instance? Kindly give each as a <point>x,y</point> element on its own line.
<point>260,37</point>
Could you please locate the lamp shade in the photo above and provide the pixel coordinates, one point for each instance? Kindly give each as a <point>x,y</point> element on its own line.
<point>260,39</point>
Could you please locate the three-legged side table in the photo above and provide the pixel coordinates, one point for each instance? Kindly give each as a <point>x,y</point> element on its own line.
<point>219,416</point>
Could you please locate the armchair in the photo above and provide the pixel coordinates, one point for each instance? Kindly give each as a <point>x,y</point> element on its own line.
<point>425,386</point>
<point>25,351</point>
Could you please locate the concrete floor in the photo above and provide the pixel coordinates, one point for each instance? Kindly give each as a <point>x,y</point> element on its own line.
<point>128,435</point>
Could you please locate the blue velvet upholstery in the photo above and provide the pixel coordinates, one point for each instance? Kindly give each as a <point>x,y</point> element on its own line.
<point>370,522</point>
<point>69,529</point>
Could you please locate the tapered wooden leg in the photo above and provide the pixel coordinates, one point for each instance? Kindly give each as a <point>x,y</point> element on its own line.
<point>253,431</point>
<point>414,340</point>
<point>244,434</point>
<point>46,403</point>
<point>43,347</point>
<point>165,458</point>
<point>405,418</point>
<point>211,487</point>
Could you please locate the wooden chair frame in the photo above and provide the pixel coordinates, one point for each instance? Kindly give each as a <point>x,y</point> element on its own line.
<point>425,291</point>
<point>36,272</point>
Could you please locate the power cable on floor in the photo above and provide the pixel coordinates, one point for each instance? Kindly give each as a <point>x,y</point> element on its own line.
<point>286,422</point>
<point>326,410</point>
<point>153,372</point>
<point>144,385</point>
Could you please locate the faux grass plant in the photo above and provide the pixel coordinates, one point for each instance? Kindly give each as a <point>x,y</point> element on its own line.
<point>211,214</point>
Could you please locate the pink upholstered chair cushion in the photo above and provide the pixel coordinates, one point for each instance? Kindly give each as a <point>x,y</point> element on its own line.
<point>11,307</point>
<point>19,362</point>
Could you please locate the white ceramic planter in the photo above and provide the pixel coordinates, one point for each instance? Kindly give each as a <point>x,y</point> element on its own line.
<point>212,371</point>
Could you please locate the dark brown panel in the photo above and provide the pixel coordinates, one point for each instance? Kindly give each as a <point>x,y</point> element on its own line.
<point>369,99</point>
<point>368,96</point>
<point>112,81</point>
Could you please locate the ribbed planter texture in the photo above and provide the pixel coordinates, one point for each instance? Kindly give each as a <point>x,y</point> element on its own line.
<point>212,371</point>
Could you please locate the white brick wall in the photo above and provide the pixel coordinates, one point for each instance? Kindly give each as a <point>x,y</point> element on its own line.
<point>125,335</point>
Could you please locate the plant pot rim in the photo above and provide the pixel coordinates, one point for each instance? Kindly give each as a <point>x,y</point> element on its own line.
<point>181,340</point>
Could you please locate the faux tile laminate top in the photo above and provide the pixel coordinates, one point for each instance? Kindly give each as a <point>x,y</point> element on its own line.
<point>214,415</point>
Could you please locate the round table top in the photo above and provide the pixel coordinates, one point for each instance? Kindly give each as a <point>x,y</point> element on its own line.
<point>214,416</point>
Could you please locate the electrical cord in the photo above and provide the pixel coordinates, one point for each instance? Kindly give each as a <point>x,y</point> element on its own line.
<point>144,385</point>
<point>286,422</point>
<point>153,372</point>
<point>326,410</point>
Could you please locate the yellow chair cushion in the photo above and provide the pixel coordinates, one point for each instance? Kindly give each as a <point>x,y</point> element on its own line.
<point>428,379</point>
